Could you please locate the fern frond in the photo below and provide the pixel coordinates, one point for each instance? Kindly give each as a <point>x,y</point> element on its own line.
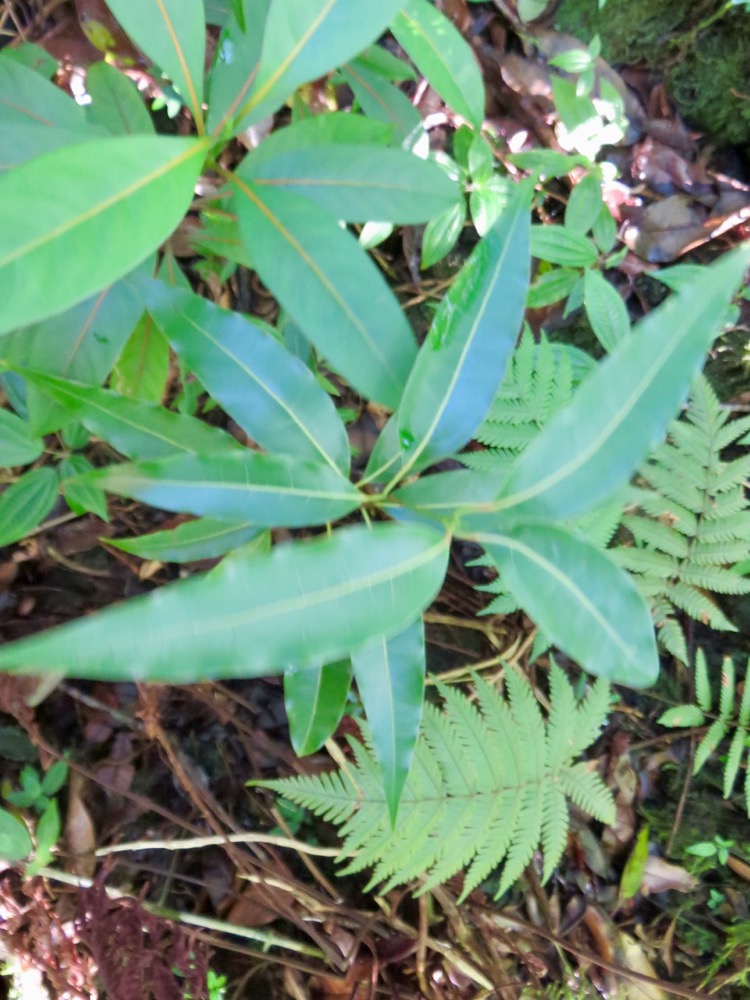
<point>690,715</point>
<point>487,787</point>
<point>694,526</point>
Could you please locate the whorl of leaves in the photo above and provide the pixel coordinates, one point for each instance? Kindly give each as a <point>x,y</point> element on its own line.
<point>693,524</point>
<point>730,716</point>
<point>488,785</point>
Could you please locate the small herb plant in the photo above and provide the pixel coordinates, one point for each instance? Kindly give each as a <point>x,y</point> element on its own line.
<point>730,718</point>
<point>84,300</point>
<point>34,795</point>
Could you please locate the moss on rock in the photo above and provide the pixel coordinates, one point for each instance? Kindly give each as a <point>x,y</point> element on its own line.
<point>706,71</point>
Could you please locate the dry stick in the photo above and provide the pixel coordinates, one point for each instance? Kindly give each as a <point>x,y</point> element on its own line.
<point>192,843</point>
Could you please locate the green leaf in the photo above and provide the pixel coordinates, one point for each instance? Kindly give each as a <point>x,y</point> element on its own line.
<point>356,183</point>
<point>26,98</point>
<point>18,446</point>
<point>79,496</point>
<point>388,65</point>
<point>55,778</point>
<point>579,598</point>
<point>528,10</point>
<point>632,873</point>
<point>337,128</point>
<point>330,288</point>
<point>123,194</point>
<point>173,34</point>
<point>682,716</point>
<point>621,411</point>
<point>271,394</point>
<point>116,102</point>
<point>142,369</point>
<point>445,493</point>
<point>270,490</point>
<point>315,699</point>
<point>488,200</point>
<point>441,234</point>
<point>304,39</point>
<point>380,100</point>
<point>605,309</point>
<point>136,429</point>
<point>33,57</point>
<point>235,66</point>
<point>26,503</point>
<point>584,205</point>
<point>21,142</point>
<point>204,538</point>
<point>81,343</point>
<point>306,602</point>
<point>390,679</point>
<point>552,286</point>
<point>462,361</point>
<point>442,56</point>
<point>15,840</point>
<point>560,246</point>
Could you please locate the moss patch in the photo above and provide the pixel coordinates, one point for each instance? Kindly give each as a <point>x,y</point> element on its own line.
<point>706,73</point>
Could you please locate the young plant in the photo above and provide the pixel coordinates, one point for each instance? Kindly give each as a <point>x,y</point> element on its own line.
<point>35,794</point>
<point>730,717</point>
<point>351,598</point>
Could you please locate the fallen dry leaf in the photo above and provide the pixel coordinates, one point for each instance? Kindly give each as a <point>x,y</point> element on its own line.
<point>80,836</point>
<point>659,875</point>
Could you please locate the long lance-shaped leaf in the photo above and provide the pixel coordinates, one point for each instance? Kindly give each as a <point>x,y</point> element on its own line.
<point>303,603</point>
<point>304,39</point>
<point>382,100</point>
<point>270,393</point>
<point>579,598</point>
<point>270,490</point>
<point>315,699</point>
<point>235,66</point>
<point>462,361</point>
<point>442,56</point>
<point>593,446</point>
<point>136,429</point>
<point>358,183</point>
<point>173,34</point>
<point>204,538</point>
<point>331,289</point>
<point>123,195</point>
<point>390,679</point>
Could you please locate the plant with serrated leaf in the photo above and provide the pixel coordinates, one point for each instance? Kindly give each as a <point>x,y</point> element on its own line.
<point>692,525</point>
<point>489,785</point>
<point>732,718</point>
